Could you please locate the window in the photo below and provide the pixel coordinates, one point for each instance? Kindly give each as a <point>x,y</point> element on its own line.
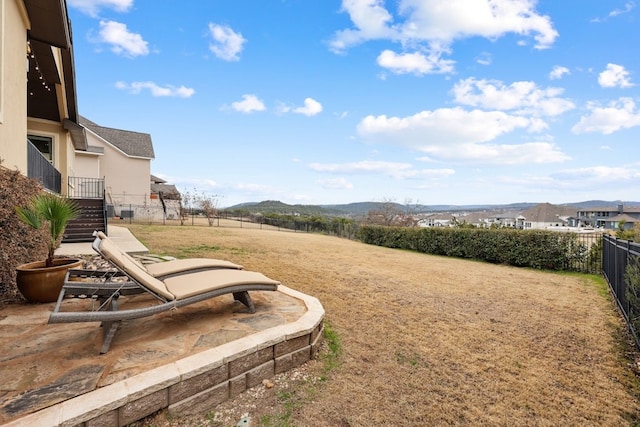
<point>44,144</point>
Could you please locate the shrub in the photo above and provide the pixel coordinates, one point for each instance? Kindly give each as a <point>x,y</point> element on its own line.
<point>632,277</point>
<point>531,248</point>
<point>19,243</point>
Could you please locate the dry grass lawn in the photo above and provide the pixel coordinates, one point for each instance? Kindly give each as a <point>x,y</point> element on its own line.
<point>429,341</point>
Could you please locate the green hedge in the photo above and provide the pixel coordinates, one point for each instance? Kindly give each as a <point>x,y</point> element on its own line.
<point>530,248</point>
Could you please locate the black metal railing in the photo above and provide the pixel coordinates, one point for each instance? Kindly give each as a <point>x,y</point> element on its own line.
<point>616,255</point>
<point>40,168</point>
<point>86,188</point>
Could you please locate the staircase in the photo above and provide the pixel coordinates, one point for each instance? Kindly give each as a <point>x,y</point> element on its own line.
<point>89,194</point>
<point>92,217</point>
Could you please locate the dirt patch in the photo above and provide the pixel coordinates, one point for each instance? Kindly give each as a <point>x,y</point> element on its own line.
<point>427,340</point>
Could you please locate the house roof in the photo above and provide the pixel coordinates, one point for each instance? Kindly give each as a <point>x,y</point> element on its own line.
<point>548,213</point>
<point>134,144</point>
<point>169,192</point>
<point>157,180</point>
<point>50,27</point>
<point>623,217</point>
<point>49,22</point>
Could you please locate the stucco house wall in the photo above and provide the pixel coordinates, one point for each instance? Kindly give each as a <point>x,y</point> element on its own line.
<point>35,48</point>
<point>126,177</point>
<point>87,164</point>
<point>13,85</point>
<point>63,150</point>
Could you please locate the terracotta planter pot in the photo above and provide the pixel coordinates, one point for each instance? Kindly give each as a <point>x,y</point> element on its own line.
<point>38,283</point>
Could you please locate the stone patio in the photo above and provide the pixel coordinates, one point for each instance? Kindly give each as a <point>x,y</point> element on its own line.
<point>187,360</point>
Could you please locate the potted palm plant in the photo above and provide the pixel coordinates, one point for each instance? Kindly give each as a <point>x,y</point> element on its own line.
<point>41,281</point>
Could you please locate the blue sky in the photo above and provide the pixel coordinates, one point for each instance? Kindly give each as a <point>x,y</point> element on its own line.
<point>328,101</point>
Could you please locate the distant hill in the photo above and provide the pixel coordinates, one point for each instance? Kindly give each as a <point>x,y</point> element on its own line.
<point>275,206</point>
<point>361,209</point>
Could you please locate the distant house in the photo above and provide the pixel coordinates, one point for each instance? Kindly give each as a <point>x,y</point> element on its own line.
<point>627,220</point>
<point>507,219</point>
<point>165,196</point>
<point>609,217</point>
<point>434,220</point>
<point>122,158</point>
<point>547,216</point>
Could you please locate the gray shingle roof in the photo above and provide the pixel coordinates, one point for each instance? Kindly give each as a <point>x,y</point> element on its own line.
<point>136,144</point>
<point>546,212</point>
<point>169,192</point>
<point>157,180</point>
<point>623,217</point>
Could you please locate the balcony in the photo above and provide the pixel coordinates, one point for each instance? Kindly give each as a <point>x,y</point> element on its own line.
<point>40,168</point>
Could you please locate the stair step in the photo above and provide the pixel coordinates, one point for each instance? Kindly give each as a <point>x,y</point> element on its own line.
<point>92,217</point>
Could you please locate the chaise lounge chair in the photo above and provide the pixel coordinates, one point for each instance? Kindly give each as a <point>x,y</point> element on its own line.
<point>161,270</point>
<point>175,290</point>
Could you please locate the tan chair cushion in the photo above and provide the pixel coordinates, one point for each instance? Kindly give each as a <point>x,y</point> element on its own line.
<point>157,269</point>
<point>191,284</point>
<point>113,253</point>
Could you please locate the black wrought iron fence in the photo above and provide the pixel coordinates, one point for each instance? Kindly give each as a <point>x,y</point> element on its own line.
<point>154,214</point>
<point>590,259</point>
<point>86,188</point>
<point>617,255</point>
<point>40,168</point>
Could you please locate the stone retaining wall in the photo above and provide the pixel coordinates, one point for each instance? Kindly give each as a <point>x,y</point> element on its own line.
<point>195,384</point>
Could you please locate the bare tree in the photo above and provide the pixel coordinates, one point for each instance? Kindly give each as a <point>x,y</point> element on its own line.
<point>208,204</point>
<point>186,200</point>
<point>388,214</point>
<point>409,218</point>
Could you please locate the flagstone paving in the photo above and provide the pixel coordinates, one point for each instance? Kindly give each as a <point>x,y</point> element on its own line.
<point>42,364</point>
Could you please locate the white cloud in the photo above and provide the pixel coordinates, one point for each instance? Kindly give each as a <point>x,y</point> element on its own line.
<point>558,72</point>
<point>444,124</point>
<point>620,114</point>
<point>311,108</point>
<point>628,7</point>
<point>253,188</point>
<point>520,97</point>
<point>484,58</point>
<point>429,27</point>
<point>122,41</point>
<point>226,44</point>
<point>371,19</point>
<point>366,166</point>
<point>614,76</point>
<point>192,186</point>
<point>392,169</point>
<point>426,173</point>
<point>335,184</point>
<point>440,135</point>
<point>498,154</point>
<point>415,63</point>
<point>156,90</point>
<point>599,174</point>
<point>249,104</point>
<point>92,7</point>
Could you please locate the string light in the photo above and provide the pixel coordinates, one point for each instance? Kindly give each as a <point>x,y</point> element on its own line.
<point>32,57</point>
